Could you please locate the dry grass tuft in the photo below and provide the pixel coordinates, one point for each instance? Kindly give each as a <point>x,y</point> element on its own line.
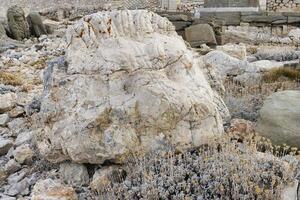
<point>8,78</point>
<point>276,74</point>
<point>40,63</point>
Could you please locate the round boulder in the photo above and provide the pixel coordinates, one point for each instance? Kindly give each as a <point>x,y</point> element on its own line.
<point>280,117</point>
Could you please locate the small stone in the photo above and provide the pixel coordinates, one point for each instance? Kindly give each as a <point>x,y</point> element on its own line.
<point>12,166</point>
<point>16,112</point>
<point>50,189</point>
<point>7,102</point>
<point>17,177</point>
<point>16,126</point>
<point>4,118</point>
<point>24,137</point>
<point>43,38</point>
<point>23,154</point>
<point>21,187</point>
<point>5,145</point>
<point>3,176</point>
<point>74,174</point>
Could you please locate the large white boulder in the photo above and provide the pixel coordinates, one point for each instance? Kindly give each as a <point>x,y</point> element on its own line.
<point>131,84</point>
<point>280,117</point>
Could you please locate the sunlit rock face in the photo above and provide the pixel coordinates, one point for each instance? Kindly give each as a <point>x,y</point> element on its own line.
<point>131,84</point>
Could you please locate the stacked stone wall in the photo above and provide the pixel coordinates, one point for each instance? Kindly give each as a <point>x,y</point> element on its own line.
<point>283,5</point>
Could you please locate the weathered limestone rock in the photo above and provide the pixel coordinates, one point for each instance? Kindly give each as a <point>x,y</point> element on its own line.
<point>21,187</point>
<point>36,25</point>
<point>12,166</point>
<point>4,118</point>
<point>131,85</point>
<point>234,50</point>
<point>279,118</point>
<point>17,23</point>
<point>5,145</point>
<point>24,137</point>
<point>291,192</point>
<point>294,34</point>
<point>7,102</point>
<point>49,190</point>
<point>200,34</point>
<point>277,54</point>
<point>227,65</point>
<point>74,174</point>
<point>23,154</point>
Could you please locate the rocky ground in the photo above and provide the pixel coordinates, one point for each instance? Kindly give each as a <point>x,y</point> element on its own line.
<point>83,108</point>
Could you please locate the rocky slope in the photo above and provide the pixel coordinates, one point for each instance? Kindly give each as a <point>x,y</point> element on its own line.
<point>78,112</point>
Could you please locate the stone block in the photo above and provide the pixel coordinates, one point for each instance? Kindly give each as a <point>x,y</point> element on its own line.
<point>181,25</point>
<point>200,34</point>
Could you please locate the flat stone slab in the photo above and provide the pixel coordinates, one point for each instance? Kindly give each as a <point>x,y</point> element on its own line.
<point>229,9</point>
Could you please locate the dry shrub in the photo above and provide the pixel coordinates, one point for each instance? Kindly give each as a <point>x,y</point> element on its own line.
<point>276,74</point>
<point>8,78</point>
<point>227,168</point>
<point>244,102</point>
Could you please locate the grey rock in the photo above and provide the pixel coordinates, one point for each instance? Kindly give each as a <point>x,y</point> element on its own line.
<point>16,177</point>
<point>21,187</point>
<point>5,145</point>
<point>200,34</point>
<point>278,54</point>
<point>16,112</point>
<point>7,89</point>
<point>280,117</point>
<point>24,137</point>
<point>178,17</point>
<point>17,23</point>
<point>4,118</point>
<point>259,18</point>
<point>120,108</point>
<point>17,125</point>
<point>74,174</point>
<point>33,107</point>
<point>181,25</point>
<point>12,166</point>
<point>36,25</point>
